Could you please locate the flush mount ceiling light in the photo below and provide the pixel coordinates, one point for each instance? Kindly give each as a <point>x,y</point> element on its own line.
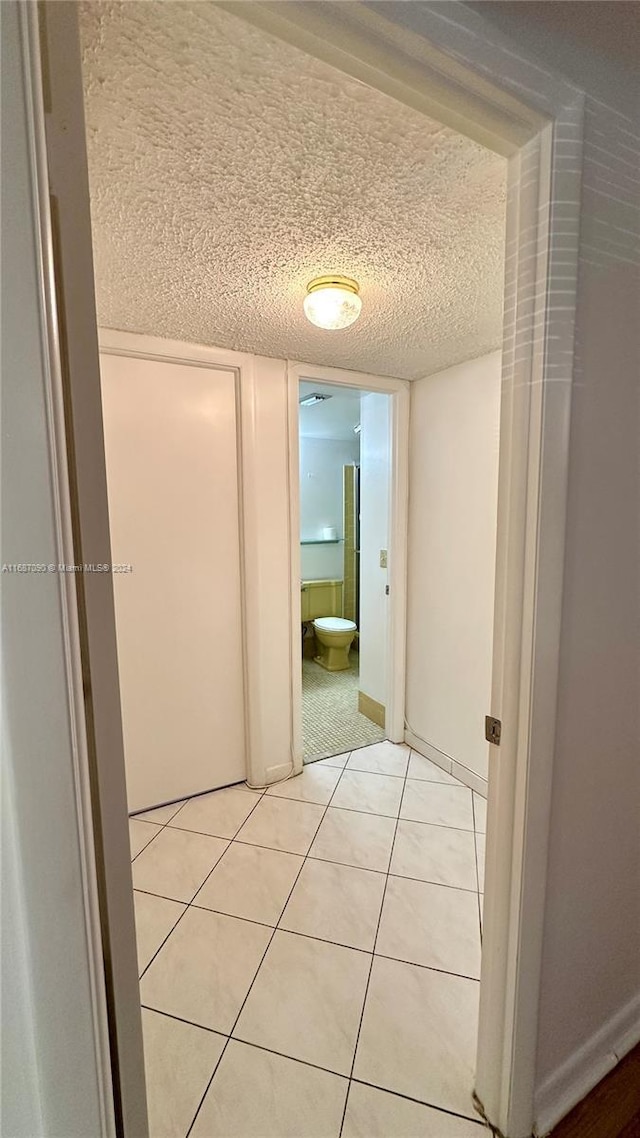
<point>332,302</point>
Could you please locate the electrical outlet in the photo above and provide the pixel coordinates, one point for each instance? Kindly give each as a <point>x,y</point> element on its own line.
<point>383,559</point>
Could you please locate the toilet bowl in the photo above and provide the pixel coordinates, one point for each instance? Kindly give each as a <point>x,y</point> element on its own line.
<point>334,636</point>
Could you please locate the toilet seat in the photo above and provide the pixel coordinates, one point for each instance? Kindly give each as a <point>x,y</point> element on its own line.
<point>334,624</point>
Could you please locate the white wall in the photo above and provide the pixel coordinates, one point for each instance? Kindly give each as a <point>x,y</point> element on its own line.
<point>375,451</point>
<point>48,1068</point>
<point>453,495</point>
<point>321,502</point>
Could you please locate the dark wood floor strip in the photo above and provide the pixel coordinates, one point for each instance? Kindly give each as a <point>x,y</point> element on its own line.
<point>612,1109</point>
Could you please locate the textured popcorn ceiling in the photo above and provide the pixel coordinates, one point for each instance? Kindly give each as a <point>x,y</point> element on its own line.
<point>228,169</point>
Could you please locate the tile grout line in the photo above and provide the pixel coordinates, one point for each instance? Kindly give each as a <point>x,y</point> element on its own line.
<point>222,1053</point>
<point>163,825</point>
<point>268,945</point>
<point>192,902</point>
<point>297,932</point>
<point>170,823</point>
<point>188,904</point>
<point>417,821</point>
<point>313,857</point>
<point>313,1066</point>
<point>373,949</point>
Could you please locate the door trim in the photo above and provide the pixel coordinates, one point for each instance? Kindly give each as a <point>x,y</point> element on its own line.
<point>398,391</point>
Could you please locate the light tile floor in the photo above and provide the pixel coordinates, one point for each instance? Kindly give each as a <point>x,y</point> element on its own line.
<point>309,956</point>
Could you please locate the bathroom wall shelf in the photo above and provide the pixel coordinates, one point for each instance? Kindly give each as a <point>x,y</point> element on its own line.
<point>324,541</point>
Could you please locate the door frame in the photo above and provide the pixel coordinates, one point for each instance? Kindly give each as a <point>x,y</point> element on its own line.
<point>456,68</point>
<point>398,391</point>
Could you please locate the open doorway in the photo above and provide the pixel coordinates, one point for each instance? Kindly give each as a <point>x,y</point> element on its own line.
<point>344,509</point>
<point>231,1049</point>
<point>304,871</point>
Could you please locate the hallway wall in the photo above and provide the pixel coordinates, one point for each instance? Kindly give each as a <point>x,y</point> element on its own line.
<point>453,492</point>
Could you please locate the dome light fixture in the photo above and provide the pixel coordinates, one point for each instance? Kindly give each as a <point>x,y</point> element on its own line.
<point>332,302</point>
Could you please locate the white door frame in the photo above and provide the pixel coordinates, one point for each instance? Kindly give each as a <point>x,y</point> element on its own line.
<point>458,70</point>
<point>398,392</point>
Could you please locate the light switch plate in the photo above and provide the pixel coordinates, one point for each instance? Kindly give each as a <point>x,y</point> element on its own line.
<point>383,559</point>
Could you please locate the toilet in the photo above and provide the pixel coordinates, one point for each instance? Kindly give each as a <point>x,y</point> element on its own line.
<point>334,636</point>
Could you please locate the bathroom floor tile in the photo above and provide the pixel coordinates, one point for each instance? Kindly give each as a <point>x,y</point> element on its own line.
<point>205,969</point>
<point>161,814</point>
<point>431,925</point>
<point>435,853</point>
<point>336,903</point>
<point>251,882</point>
<point>140,834</point>
<point>381,758</point>
<point>179,1060</point>
<point>155,918</point>
<point>480,854</point>
<point>438,804</point>
<point>176,863</point>
<point>362,840</point>
<point>282,824</point>
<point>220,813</point>
<point>315,784</point>
<point>306,1001</point>
<point>480,812</point>
<point>418,1034</point>
<point>426,771</point>
<point>370,793</point>
<point>377,1114</point>
<point>256,1094</point>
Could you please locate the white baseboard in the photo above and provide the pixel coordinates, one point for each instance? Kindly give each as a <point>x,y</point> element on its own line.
<point>427,751</point>
<point>581,1072</point>
<point>446,763</point>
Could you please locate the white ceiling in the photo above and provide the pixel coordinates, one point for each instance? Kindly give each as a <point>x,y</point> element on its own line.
<point>227,169</point>
<point>336,417</point>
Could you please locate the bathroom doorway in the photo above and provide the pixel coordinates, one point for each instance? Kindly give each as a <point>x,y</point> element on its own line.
<point>348,504</point>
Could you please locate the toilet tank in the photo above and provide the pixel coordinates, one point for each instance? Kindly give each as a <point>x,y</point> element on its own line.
<point>321,598</point>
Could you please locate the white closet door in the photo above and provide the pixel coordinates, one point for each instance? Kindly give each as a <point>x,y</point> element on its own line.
<point>172,473</point>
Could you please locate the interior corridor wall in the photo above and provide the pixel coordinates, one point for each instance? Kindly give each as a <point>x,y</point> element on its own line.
<point>375,453</point>
<point>453,495</point>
